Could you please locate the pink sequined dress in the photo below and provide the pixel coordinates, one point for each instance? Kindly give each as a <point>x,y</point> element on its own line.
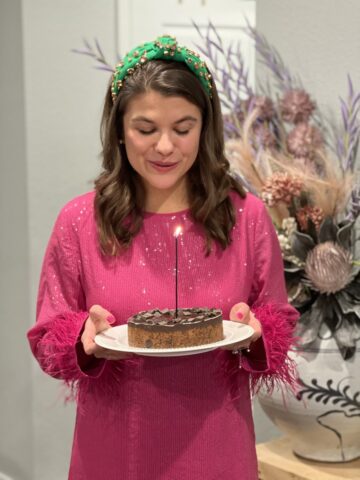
<point>179,418</point>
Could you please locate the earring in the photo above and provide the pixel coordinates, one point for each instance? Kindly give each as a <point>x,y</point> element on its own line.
<point>121,142</point>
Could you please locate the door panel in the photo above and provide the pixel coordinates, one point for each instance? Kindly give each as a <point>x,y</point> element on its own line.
<point>140,20</point>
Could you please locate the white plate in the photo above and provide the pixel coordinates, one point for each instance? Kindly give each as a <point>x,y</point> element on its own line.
<point>116,339</point>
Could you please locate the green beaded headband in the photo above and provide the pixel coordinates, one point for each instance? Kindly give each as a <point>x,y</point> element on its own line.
<point>164,48</point>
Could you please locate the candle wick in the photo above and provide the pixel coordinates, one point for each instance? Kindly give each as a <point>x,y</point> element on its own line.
<point>176,277</point>
<point>178,231</point>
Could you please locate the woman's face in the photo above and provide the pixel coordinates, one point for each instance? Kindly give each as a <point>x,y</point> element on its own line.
<point>162,141</point>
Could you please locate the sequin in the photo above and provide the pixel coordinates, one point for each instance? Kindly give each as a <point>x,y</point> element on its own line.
<point>130,396</point>
<point>144,276</point>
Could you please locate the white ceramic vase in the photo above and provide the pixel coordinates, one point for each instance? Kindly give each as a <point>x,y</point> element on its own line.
<point>323,420</point>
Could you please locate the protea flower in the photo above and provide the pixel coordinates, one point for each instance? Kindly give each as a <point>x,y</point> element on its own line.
<point>296,106</point>
<point>304,140</point>
<point>328,266</point>
<point>326,284</point>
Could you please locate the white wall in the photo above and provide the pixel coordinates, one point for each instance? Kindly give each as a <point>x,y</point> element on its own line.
<point>15,368</point>
<point>64,96</point>
<point>319,40</point>
<point>63,102</point>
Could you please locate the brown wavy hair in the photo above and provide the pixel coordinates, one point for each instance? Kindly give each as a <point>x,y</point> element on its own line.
<point>120,195</point>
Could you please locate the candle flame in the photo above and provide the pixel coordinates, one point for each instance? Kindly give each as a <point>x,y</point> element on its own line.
<point>178,231</point>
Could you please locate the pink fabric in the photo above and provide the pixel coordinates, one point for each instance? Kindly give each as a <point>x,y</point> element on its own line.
<point>180,418</point>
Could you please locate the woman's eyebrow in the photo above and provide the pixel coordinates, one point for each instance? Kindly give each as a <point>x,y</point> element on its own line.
<point>141,119</point>
<point>185,119</point>
<point>147,120</point>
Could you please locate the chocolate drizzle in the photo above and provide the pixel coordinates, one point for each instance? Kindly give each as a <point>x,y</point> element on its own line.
<point>166,317</point>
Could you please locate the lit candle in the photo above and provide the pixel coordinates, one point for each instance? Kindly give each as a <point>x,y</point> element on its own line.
<point>178,231</point>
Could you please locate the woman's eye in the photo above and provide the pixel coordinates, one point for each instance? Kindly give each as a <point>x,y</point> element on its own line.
<point>182,132</point>
<point>146,132</point>
<point>150,132</point>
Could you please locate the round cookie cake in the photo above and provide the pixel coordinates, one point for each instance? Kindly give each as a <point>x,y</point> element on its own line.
<point>163,329</point>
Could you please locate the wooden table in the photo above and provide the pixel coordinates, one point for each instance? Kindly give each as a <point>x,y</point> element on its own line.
<point>277,462</point>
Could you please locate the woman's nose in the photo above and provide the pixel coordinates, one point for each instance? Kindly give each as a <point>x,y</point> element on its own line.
<point>164,145</point>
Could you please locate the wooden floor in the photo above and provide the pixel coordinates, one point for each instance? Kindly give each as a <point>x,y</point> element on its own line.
<point>277,462</point>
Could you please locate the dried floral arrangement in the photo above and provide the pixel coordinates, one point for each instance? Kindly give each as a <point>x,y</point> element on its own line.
<point>303,167</point>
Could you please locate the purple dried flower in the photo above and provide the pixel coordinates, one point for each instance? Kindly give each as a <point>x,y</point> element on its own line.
<point>304,140</point>
<point>95,53</point>
<point>354,207</point>
<point>348,138</point>
<point>232,121</point>
<point>264,105</point>
<point>264,137</point>
<point>227,67</point>
<point>272,59</point>
<point>296,106</point>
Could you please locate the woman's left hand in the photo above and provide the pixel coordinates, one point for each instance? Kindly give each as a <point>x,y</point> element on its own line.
<point>241,312</point>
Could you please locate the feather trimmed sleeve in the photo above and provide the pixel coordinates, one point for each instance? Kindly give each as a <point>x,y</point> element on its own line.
<point>268,360</point>
<point>61,309</point>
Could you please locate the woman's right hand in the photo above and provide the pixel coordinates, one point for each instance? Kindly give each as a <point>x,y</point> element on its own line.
<point>99,320</point>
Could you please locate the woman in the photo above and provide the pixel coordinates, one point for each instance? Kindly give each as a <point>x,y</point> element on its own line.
<point>111,254</point>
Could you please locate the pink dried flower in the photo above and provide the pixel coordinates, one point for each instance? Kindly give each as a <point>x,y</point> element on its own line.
<point>281,187</point>
<point>304,140</point>
<point>305,164</point>
<point>315,214</point>
<point>264,136</point>
<point>264,105</point>
<point>296,106</point>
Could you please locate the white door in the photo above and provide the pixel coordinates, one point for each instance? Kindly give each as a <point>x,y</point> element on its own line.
<point>144,20</point>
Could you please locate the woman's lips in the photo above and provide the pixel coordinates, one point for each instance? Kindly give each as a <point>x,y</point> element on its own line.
<point>163,166</point>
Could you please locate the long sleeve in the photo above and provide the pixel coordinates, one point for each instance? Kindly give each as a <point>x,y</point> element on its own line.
<point>61,310</point>
<point>125,426</point>
<point>268,360</point>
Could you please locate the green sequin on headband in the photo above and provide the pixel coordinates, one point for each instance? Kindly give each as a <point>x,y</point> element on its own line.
<point>163,48</point>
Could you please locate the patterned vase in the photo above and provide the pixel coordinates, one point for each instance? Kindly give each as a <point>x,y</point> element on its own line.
<point>323,420</point>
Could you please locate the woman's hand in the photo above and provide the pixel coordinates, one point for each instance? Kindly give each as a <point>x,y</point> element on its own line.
<point>241,312</point>
<point>99,320</point>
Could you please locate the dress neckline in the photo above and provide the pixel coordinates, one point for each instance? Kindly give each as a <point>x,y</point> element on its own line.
<point>164,215</point>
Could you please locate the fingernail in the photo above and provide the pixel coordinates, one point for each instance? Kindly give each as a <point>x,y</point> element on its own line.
<point>239,315</point>
<point>110,319</point>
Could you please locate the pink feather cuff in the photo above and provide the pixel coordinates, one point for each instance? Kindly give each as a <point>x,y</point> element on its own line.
<point>268,362</point>
<point>56,346</point>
